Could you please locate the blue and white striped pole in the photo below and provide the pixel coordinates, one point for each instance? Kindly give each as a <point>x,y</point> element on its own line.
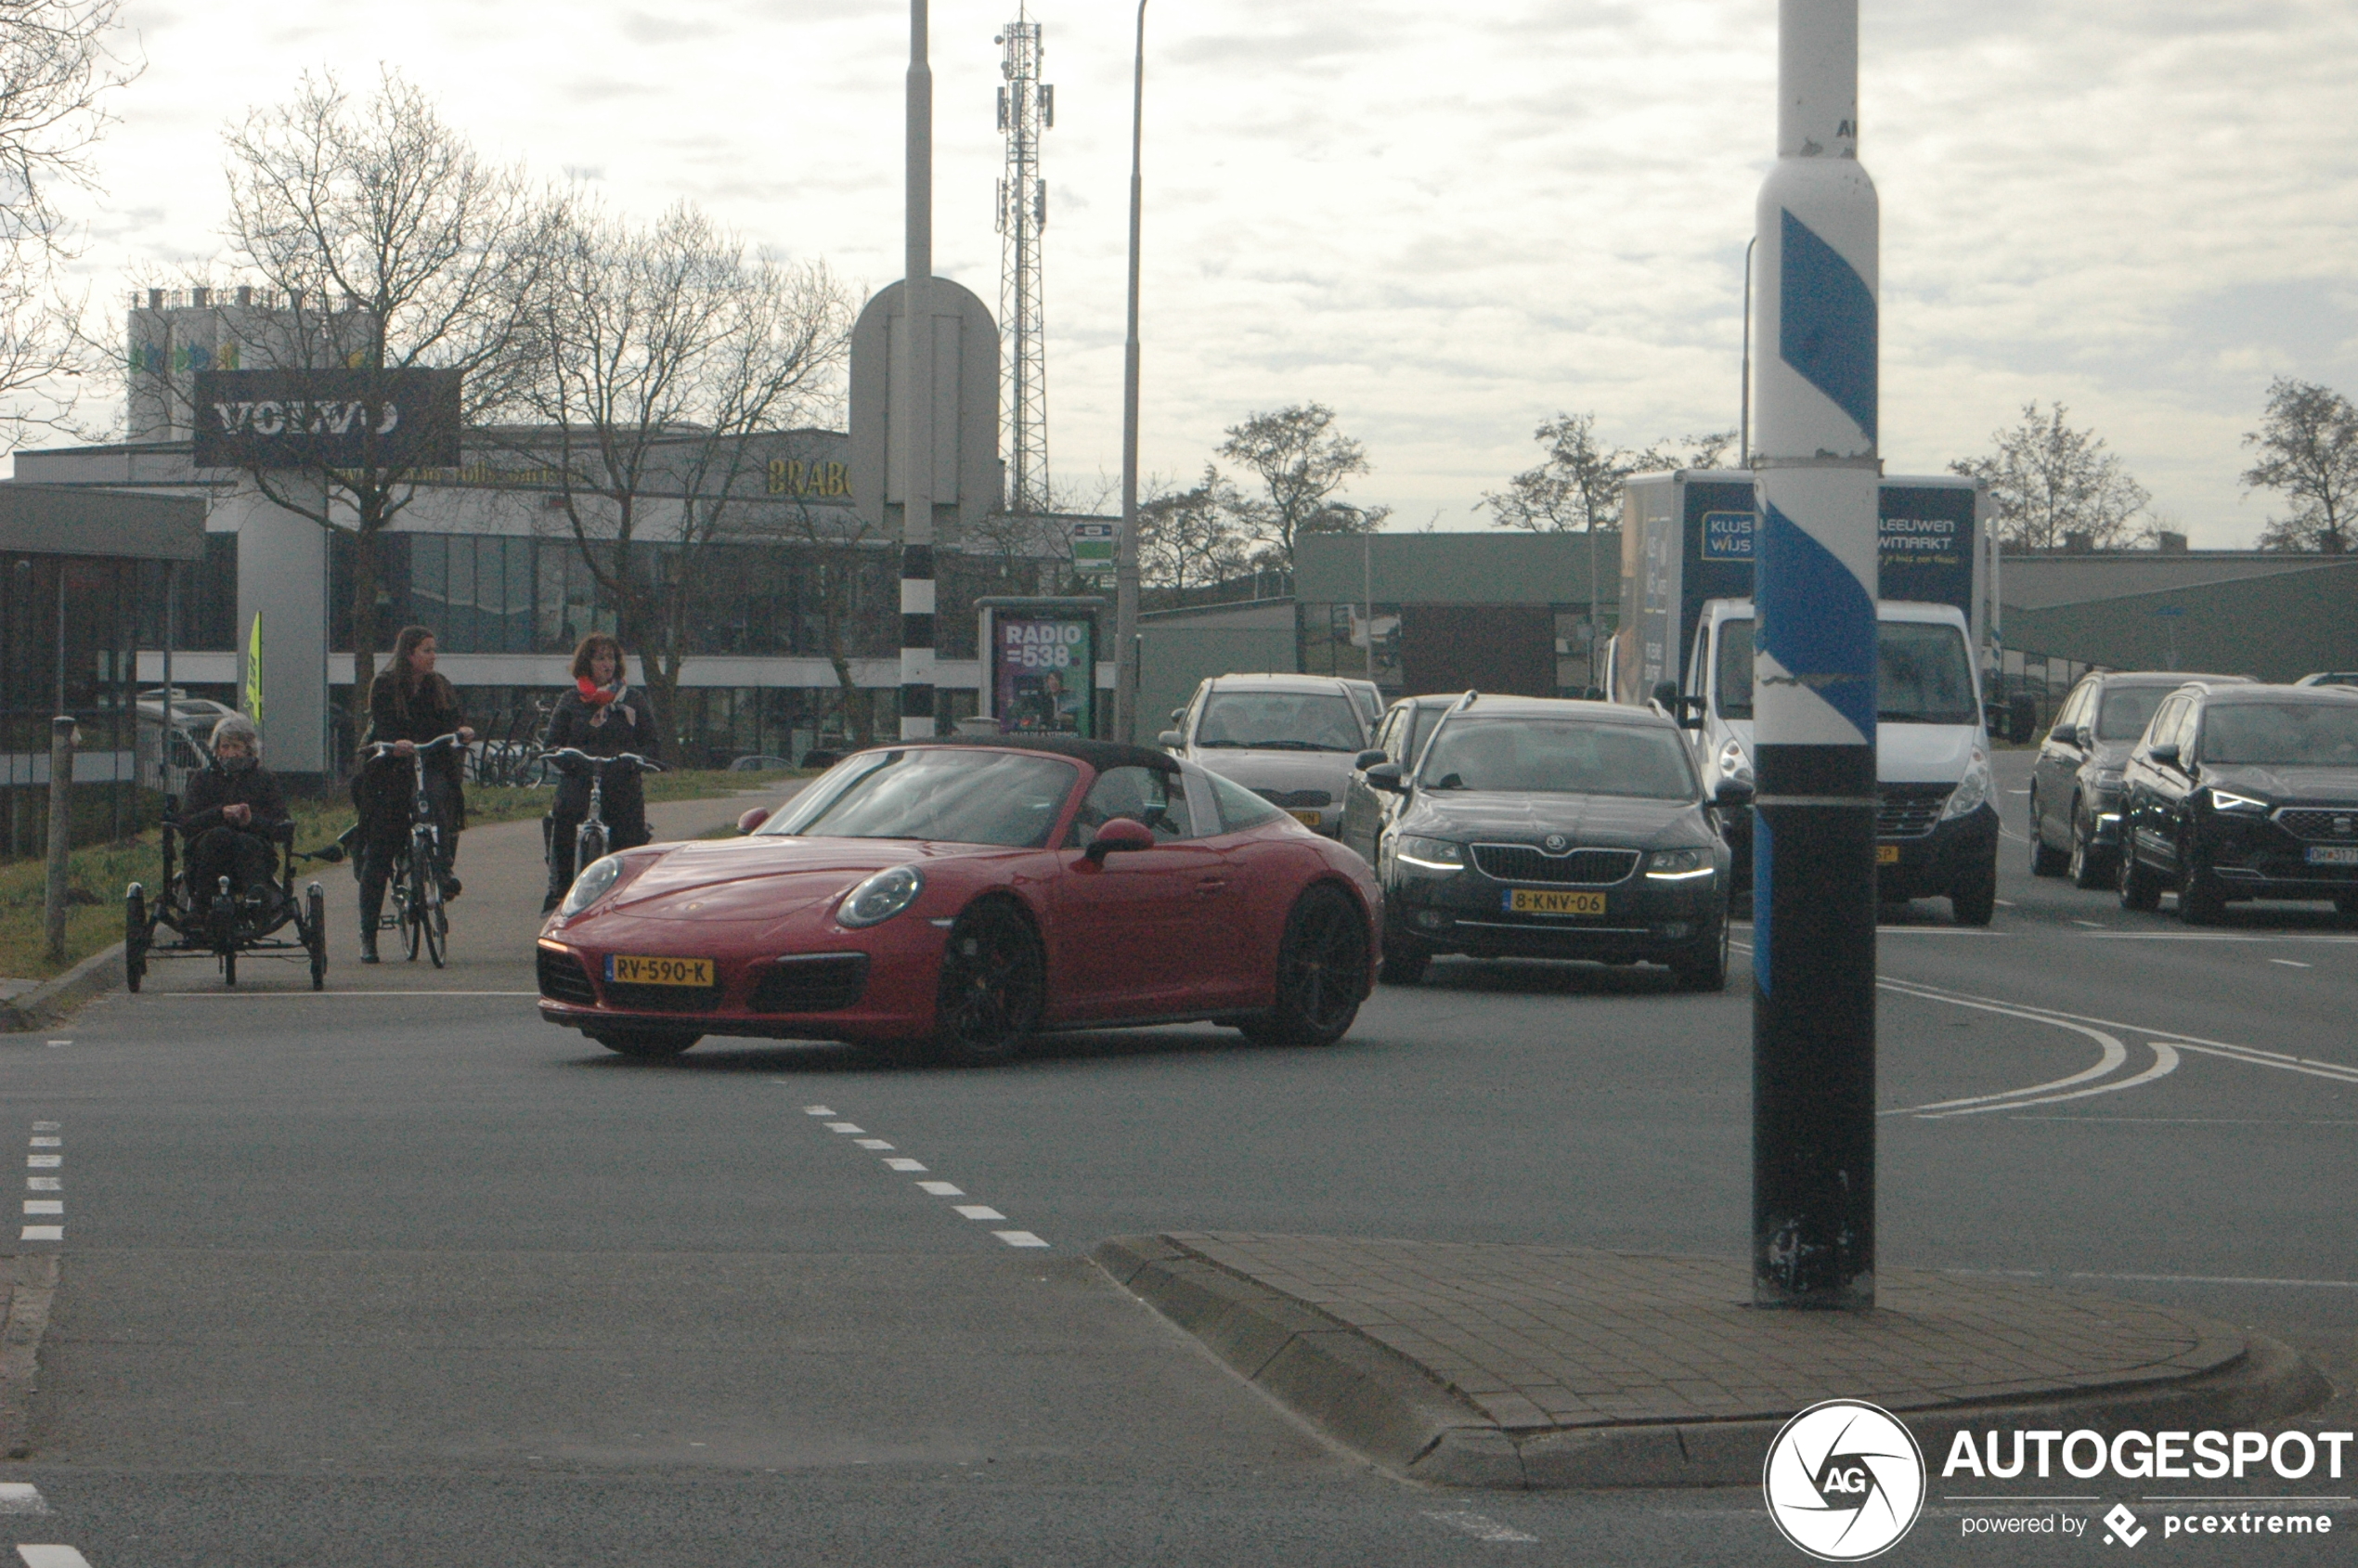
<point>1813,1158</point>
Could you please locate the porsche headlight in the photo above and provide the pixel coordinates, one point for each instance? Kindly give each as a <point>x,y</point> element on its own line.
<point>1679,866</point>
<point>591,885</point>
<point>881,897</point>
<point>1972,790</point>
<point>1429,854</point>
<point>2224,800</point>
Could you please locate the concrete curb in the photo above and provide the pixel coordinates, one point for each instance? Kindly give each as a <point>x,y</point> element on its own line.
<point>1392,1410</point>
<point>32,1281</point>
<point>46,1004</point>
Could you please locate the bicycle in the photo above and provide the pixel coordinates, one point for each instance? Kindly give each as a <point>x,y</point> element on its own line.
<point>591,838</point>
<point>418,912</point>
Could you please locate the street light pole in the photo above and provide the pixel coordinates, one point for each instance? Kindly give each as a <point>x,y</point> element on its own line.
<point>1744,418</point>
<point>1816,477</point>
<point>1125,578</point>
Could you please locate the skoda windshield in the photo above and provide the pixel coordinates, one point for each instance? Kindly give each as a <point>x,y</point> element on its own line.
<point>952,795</point>
<point>1520,754</point>
<point>1923,675</point>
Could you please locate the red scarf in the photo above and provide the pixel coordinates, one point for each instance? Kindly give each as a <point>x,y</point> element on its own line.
<point>597,695</point>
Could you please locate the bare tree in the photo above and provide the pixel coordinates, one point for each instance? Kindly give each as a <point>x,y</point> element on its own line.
<point>1193,535</point>
<point>2308,443</point>
<point>396,248</point>
<point>2049,483</point>
<point>55,71</point>
<point>1302,460</point>
<point>1576,489</point>
<point>659,351</point>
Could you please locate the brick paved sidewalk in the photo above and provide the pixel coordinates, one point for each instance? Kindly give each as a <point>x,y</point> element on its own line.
<point>1526,1366</point>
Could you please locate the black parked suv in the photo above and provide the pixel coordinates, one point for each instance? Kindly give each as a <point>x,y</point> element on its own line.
<point>2243,792</point>
<point>1537,827</point>
<point>2075,786</point>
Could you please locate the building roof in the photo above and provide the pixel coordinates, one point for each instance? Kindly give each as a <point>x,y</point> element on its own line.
<point>1463,568</point>
<point>2036,582</point>
<point>78,520</point>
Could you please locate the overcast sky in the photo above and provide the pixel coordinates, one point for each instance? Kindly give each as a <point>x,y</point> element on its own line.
<point>1448,223</point>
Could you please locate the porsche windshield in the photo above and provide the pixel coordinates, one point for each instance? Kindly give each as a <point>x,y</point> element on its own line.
<point>1280,722</point>
<point>1524,754</point>
<point>954,794</point>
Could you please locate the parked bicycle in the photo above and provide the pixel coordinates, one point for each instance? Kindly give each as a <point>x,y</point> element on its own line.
<point>418,912</point>
<point>591,838</point>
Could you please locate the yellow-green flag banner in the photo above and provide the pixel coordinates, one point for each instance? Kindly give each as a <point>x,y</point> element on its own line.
<point>254,670</point>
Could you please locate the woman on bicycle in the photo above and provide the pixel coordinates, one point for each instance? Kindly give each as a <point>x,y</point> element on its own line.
<point>603,716</point>
<point>407,703</point>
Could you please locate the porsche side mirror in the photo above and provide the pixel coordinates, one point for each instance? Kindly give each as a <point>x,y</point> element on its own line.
<point>1367,759</point>
<point>1122,833</point>
<point>1732,792</point>
<point>1385,776</point>
<point>752,818</point>
<point>1170,740</point>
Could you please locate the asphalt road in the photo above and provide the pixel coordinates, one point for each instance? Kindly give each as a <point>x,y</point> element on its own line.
<point>399,1275</point>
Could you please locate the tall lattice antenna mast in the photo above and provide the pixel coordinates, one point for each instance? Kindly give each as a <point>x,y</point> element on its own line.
<point>1026,107</point>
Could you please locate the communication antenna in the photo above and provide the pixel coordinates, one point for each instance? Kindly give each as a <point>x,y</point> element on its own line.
<point>1026,107</point>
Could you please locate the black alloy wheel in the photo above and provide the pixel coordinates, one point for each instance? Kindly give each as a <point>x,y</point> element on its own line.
<point>2140,889</point>
<point>2087,868</point>
<point>1404,961</point>
<point>1706,969</point>
<point>1322,972</point>
<point>2043,861</point>
<point>2201,901</point>
<point>994,982</point>
<point>645,1045</point>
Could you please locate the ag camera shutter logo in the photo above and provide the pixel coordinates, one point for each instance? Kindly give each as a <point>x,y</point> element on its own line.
<point>1845,1481</point>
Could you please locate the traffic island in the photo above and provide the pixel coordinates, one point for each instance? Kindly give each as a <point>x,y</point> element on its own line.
<point>1474,1364</point>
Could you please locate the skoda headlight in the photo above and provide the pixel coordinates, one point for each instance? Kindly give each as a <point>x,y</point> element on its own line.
<point>592,886</point>
<point>2226,800</point>
<point>1677,866</point>
<point>1733,764</point>
<point>1429,854</point>
<point>881,897</point>
<point>1972,790</point>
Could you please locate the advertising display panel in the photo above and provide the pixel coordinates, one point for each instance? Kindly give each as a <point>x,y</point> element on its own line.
<point>1043,671</point>
<point>327,419</point>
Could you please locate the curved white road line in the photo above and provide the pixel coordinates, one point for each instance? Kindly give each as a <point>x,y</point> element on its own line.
<point>2165,1063</point>
<point>2113,1057</point>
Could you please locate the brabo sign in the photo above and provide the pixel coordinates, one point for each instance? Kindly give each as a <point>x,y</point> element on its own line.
<point>327,419</point>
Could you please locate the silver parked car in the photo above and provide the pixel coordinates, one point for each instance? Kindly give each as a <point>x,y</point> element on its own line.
<point>1290,739</point>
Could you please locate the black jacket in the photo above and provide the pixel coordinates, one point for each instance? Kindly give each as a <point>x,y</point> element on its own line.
<point>382,789</point>
<point>212,788</point>
<point>607,731</point>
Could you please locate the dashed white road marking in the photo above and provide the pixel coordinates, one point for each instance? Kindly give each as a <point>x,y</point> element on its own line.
<point>844,1127</point>
<point>59,1043</point>
<point>44,1184</point>
<point>52,1557</point>
<point>874,1143</point>
<point>2004,904</point>
<point>904,1164</point>
<point>808,1110</point>
<point>941,1189</point>
<point>49,1143</point>
<point>44,1161</point>
<point>45,1126</point>
<point>43,1206</point>
<point>2093,925</point>
<point>20,1496</point>
<point>45,1137</point>
<point>1482,1527</point>
<point>977,1212</point>
<point>42,1233</point>
<point>2292,963</point>
<point>1019,1238</point>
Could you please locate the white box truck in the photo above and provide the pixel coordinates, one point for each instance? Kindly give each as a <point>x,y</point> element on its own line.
<point>1686,633</point>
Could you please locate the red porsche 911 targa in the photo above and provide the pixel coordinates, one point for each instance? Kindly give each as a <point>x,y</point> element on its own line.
<point>957,897</point>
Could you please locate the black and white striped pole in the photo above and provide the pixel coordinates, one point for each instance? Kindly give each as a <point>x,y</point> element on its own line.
<point>1813,1172</point>
<point>912,405</point>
